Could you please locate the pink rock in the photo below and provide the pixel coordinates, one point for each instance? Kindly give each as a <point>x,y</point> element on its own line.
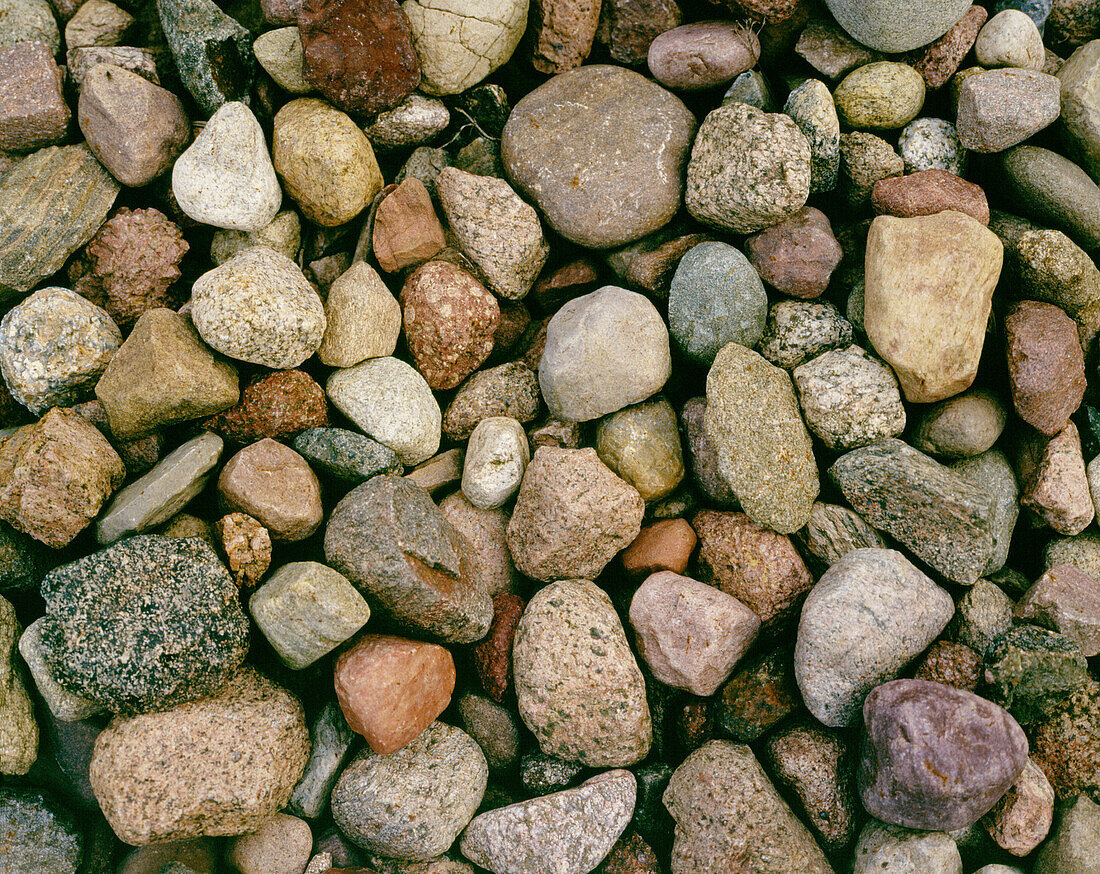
<point>928,192</point>
<point>275,485</point>
<point>32,109</point>
<point>797,256</point>
<point>1053,480</point>
<point>1022,818</point>
<point>406,230</point>
<point>702,54</point>
<point>1067,600</point>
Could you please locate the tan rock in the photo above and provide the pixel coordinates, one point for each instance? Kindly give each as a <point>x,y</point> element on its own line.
<point>274,484</point>
<point>281,846</point>
<point>1053,480</point>
<point>406,230</point>
<point>364,318</point>
<point>562,33</point>
<point>929,283</point>
<point>32,108</point>
<point>1022,818</point>
<point>97,23</point>
<point>18,730</point>
<point>486,531</point>
<point>246,545</point>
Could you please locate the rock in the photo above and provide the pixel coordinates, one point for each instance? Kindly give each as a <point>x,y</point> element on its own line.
<point>493,727</point>
<point>615,333</point>
<point>1074,846</point>
<point>797,331</point>
<point>885,848</point>
<point>849,398</point>
<point>983,614</point>
<point>1010,39</point>
<point>163,374</point>
<point>579,690</point>
<point>392,403</point>
<point>811,107</point>
<point>748,169</point>
<point>281,55</point>
<point>796,256</point>
<point>55,477</point>
<point>619,175</point>
<point>32,111</point>
<point>1045,365</point>
<point>951,263</point>
<point>412,803</point>
<point>562,33</point>
<point>53,347</point>
<point>283,234</point>
<point>630,26</point>
<point>496,457</point>
<point>727,812</point>
<point>1053,480</point>
<point>829,50</point>
<point>998,109</point>
<point>275,485</point>
<point>928,192</point>
<point>1030,670</point>
<point>691,635</point>
<point>1020,820</point>
<point>703,54</point>
<point>391,689</point>
<point>758,696</point>
<point>212,52</point>
<point>492,655</point>
<point>325,161</point>
<point>510,390</point>
<point>281,846</point>
<point>486,532</point>
<point>286,319</point>
<point>406,229</point>
<point>868,616</point>
<point>572,515</point>
<point>961,427</point>
<point>665,545</point>
<point>80,61</point>
<point>78,195</point>
<point>568,832</point>
<point>542,774</point>
<point>330,742</point>
<point>165,490</point>
<point>416,119</point>
<point>498,232</point>
<point>1080,120</point>
<point>276,405</point>
<point>41,834</point>
<point>30,21</point>
<point>715,298</point>
<point>764,452</point>
<point>864,160</point>
<point>306,610</point>
<point>1064,743</point>
<point>345,455</point>
<point>18,729</point>
<point>884,94</point>
<point>832,531</point>
<point>1055,269</point>
<point>1066,600</point>
<point>932,144</point>
<point>887,27</point>
<point>938,61</point>
<point>246,545</point>
<point>244,748</point>
<point>363,319</point>
<point>936,757</point>
<point>1056,191</point>
<point>951,664</point>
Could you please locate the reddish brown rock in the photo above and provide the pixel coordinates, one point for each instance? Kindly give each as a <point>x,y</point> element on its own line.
<point>55,476</point>
<point>928,192</point>
<point>1067,600</point>
<point>1046,367</point>
<point>760,694</point>
<point>406,231</point>
<point>564,283</point>
<point>797,256</point>
<point>277,405</point>
<point>515,318</point>
<point>33,112</point>
<point>391,689</point>
<point>493,653</point>
<point>630,855</point>
<point>1053,482</point>
<point>130,265</point>
<point>663,546</point>
<point>754,564</point>
<point>952,664</point>
<point>486,532</point>
<point>246,546</point>
<point>693,724</point>
<point>561,33</point>
<point>630,26</point>
<point>358,53</point>
<point>649,264</point>
<point>449,320</point>
<point>274,484</point>
<point>938,61</point>
<point>1064,744</point>
<point>768,11</point>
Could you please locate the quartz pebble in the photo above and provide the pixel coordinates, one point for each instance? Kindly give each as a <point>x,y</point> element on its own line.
<point>496,457</point>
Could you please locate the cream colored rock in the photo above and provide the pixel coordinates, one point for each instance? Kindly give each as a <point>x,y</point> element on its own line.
<point>283,234</point>
<point>496,458</point>
<point>364,318</point>
<point>18,730</point>
<point>279,52</point>
<point>929,283</point>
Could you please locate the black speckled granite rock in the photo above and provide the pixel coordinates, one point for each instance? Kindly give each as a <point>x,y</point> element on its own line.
<point>39,835</point>
<point>346,455</point>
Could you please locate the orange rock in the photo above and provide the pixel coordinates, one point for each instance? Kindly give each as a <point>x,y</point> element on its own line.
<point>663,546</point>
<point>406,229</point>
<point>391,689</point>
<point>929,192</point>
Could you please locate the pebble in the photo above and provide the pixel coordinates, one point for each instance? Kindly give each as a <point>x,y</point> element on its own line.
<point>642,445</point>
<point>280,846</point>
<point>703,54</point>
<point>887,849</point>
<point>945,267</point>
<point>961,427</point>
<point>812,108</point>
<point>1064,745</point>
<point>325,161</point>
<point>281,55</point>
<point>1021,819</point>
<point>1075,846</point>
<point>568,832</point>
<point>62,703</point>
<point>887,27</point>
<point>391,689</point>
<point>883,95</point>
<point>630,26</point>
<point>330,742</point>
<point>406,229</point>
<point>931,144</point>
<point>486,532</point>
<point>928,192</point>
<point>493,727</point>
<point>935,757</point>
<point>492,655</point>
<point>1053,480</point>
<point>1029,670</point>
<point>275,485</point>
<point>54,345</point>
<point>362,318</point>
<point>665,545</point>
<point>345,455</point>
<point>579,690</point>
<point>726,808</point>
<point>214,76</point>
<point>18,729</point>
<point>763,449</point>
<point>33,112</point>
<point>412,803</point>
<point>496,457</point>
<point>1045,366</point>
<point>1080,121</point>
<point>165,490</point>
<point>246,746</point>
<point>864,160</point>
<point>276,405</point>
<point>283,234</point>
<point>1066,600</point>
<point>80,61</point>
<point>983,614</point>
<point>796,331</point>
<point>1056,270</point>
<point>938,61</point>
<point>416,119</point>
<point>510,390</point>
<point>1055,191</point>
<point>1010,39</point>
<point>691,635</point>
<point>246,545</point>
<point>829,50</point>
<point>870,614</point>
<point>41,834</point>
<point>748,169</point>
<point>225,178</point>
<point>796,256</point>
<point>30,21</point>
<point>618,177</point>
<point>999,109</point>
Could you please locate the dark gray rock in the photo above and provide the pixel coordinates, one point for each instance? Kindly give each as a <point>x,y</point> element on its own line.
<point>21,560</point>
<point>40,836</point>
<point>330,739</point>
<point>541,774</point>
<point>1055,191</point>
<point>346,455</point>
<point>833,531</point>
<point>1028,670</point>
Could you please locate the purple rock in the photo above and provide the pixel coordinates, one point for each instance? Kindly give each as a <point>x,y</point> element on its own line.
<point>935,757</point>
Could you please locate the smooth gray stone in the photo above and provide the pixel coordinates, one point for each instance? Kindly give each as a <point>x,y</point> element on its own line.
<point>331,739</point>
<point>1055,191</point>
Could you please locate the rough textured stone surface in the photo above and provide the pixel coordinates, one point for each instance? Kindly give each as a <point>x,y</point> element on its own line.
<point>280,846</point>
<point>412,803</point>
<point>998,109</point>
<point>562,33</point>
<point>935,757</point>
<point>273,484</point>
<point>510,390</point>
<point>869,615</point>
<point>796,256</point>
<point>884,94</point>
<point>1053,481</point>
<point>41,834</point>
<point>222,765</point>
<point>18,729</point>
<point>748,169</point>
<point>812,108</point>
<point>728,814</point>
<point>1029,670</point>
<point>283,234</point>
<point>666,545</point>
<point>833,531</point>
<point>276,405</point>
<point>362,318</point>
<point>572,515</point>
<point>246,545</point>
<point>568,832</point>
<point>927,192</point>
<point>1020,820</point>
<point>1064,744</point>
<point>79,61</point>
<point>345,455</point>
<point>406,229</point>
<point>932,144</point>
<point>864,160</point>
<point>212,51</point>
<point>1045,365</point>
<point>578,687</point>
<point>32,110</point>
<point>1067,600</point>
<point>1081,121</point>
<point>796,331</point>
<point>494,728</point>
<point>610,174</point>
<point>1075,846</point>
<point>416,119</point>
<point>32,21</point>
<point>952,664</point>
<point>889,28</point>
<point>938,61</point>
<point>887,848</point>
<point>492,655</point>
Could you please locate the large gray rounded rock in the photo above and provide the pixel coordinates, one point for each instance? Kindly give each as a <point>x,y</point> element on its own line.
<point>412,804</point>
<point>40,835</point>
<point>716,297</point>
<point>1080,102</point>
<point>579,689</point>
<point>568,832</point>
<point>887,849</point>
<point>889,26</point>
<point>604,351</point>
<point>869,615</point>
<point>601,151</point>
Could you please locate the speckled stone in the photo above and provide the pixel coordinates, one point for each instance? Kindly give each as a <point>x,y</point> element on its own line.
<point>276,405</point>
<point>1075,846</point>
<point>280,846</point>
<point>833,531</point>
<point>283,234</point>
<point>983,614</point>
<point>998,109</point>
<point>864,160</point>
<point>345,455</point>
<point>221,765</point>
<point>212,51</point>
<point>18,729</point>
<point>796,331</point>
<point>246,545</point>
<point>812,108</point>
<point>1053,480</point>
<point>363,318</point>
<point>579,689</point>
<point>1020,820</point>
<point>510,390</point>
<point>1067,600</point>
<point>1029,670</point>
<point>33,112</point>
<point>30,21</point>
<point>642,445</point>
<point>42,836</point>
<point>885,848</point>
<point>951,664</point>
<point>496,457</point>
<point>887,27</point>
<point>931,144</point>
<point>798,255</point>
<point>938,61</point>
<point>415,120</point>
<point>567,832</point>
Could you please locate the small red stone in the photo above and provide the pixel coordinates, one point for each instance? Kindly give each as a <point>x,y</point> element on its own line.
<point>493,653</point>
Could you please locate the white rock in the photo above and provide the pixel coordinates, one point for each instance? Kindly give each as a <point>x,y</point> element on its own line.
<point>415,120</point>
<point>1010,39</point>
<point>888,849</point>
<point>63,704</point>
<point>496,458</point>
<point>280,53</point>
<point>225,178</point>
